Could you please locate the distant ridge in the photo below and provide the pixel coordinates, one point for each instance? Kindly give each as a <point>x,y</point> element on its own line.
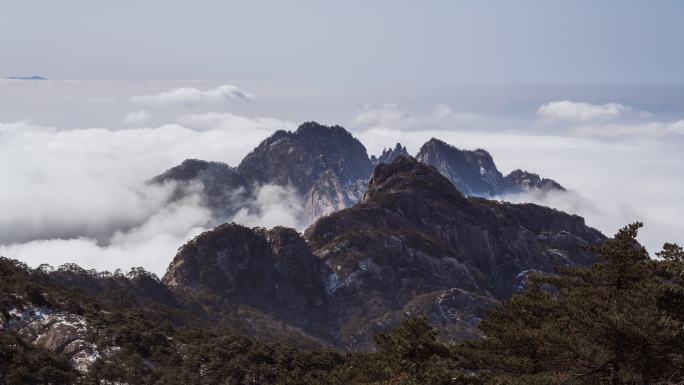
<point>34,77</point>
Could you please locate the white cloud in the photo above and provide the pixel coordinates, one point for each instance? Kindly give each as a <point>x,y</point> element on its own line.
<point>140,116</point>
<point>152,244</point>
<point>86,188</point>
<point>387,115</point>
<point>193,96</point>
<point>392,116</point>
<point>565,110</point>
<point>228,121</point>
<point>272,205</point>
<point>650,129</point>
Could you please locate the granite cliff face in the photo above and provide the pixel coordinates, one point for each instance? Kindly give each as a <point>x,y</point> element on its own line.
<point>474,172</point>
<point>413,245</point>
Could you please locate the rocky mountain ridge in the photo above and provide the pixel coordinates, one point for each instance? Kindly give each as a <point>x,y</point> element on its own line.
<point>329,169</point>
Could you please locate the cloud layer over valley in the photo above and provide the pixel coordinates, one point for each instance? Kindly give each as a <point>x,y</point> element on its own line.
<point>77,192</point>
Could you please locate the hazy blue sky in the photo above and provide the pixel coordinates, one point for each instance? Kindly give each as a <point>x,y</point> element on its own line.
<point>419,41</point>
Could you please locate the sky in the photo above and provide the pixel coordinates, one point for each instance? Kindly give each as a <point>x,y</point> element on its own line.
<point>590,94</point>
<point>607,41</point>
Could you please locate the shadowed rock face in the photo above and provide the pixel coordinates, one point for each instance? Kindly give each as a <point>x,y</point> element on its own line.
<point>413,245</point>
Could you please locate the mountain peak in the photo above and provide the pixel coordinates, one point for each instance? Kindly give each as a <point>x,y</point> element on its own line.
<point>406,174</point>
<point>299,158</point>
<point>472,172</point>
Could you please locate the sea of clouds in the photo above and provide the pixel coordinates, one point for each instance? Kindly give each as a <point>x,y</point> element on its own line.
<point>75,157</point>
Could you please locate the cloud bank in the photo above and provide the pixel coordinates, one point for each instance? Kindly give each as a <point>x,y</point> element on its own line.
<point>565,110</point>
<point>86,188</point>
<point>227,122</point>
<point>193,96</point>
<point>634,130</point>
<point>391,115</point>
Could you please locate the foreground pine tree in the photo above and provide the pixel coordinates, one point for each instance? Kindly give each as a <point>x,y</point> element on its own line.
<point>619,321</point>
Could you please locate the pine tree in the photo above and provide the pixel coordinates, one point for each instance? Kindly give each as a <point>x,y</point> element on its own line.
<point>611,323</point>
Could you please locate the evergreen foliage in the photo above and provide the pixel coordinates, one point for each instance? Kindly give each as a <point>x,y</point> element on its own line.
<point>618,322</point>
